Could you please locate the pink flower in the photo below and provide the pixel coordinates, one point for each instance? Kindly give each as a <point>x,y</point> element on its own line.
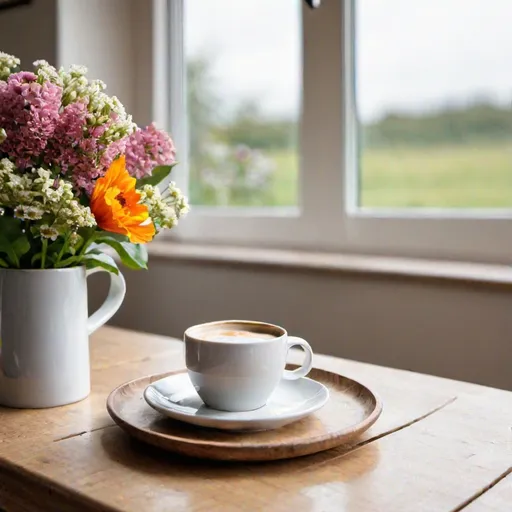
<point>77,148</point>
<point>63,147</point>
<point>28,112</point>
<point>114,150</point>
<point>146,148</point>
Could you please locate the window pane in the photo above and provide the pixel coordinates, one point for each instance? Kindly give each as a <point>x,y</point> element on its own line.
<point>244,74</point>
<point>434,92</point>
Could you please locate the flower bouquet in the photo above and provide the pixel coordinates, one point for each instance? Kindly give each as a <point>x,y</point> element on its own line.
<point>76,173</point>
<point>77,179</point>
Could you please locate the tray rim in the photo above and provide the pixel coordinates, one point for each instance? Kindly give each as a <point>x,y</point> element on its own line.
<point>306,447</point>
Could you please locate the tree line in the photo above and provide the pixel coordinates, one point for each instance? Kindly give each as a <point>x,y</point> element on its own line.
<point>474,123</point>
<point>481,121</point>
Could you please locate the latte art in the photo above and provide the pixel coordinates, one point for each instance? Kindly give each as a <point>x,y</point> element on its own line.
<point>238,336</point>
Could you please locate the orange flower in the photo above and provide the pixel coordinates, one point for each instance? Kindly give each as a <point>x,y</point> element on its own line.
<point>115,205</point>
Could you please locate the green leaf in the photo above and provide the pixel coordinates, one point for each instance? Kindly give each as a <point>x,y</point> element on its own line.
<point>133,256</point>
<point>6,248</point>
<point>159,174</point>
<point>93,260</point>
<point>3,263</point>
<point>10,226</point>
<point>13,242</point>
<point>35,258</point>
<point>55,247</point>
<point>21,246</point>
<point>68,262</point>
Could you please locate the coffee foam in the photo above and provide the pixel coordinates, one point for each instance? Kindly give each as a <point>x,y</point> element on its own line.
<point>237,336</point>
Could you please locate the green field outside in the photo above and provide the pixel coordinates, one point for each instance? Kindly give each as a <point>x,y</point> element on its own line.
<point>478,176</point>
<point>450,177</point>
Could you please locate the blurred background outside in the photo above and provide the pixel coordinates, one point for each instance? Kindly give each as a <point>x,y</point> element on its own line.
<point>434,95</point>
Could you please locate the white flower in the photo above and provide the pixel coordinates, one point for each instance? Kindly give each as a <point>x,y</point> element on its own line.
<point>75,216</point>
<point>26,196</point>
<point>77,71</point>
<point>148,193</point>
<point>103,109</point>
<point>178,200</point>
<point>6,165</point>
<point>164,209</point>
<point>28,212</point>
<point>3,135</point>
<point>47,73</point>
<point>54,195</point>
<point>48,232</point>
<point>36,195</point>
<point>74,240</point>
<point>8,64</point>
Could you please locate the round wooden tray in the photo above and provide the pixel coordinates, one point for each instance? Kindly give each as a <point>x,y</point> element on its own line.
<point>352,408</point>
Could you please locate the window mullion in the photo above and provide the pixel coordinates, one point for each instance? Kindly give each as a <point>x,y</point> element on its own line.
<point>350,115</point>
<point>178,119</point>
<point>322,126</point>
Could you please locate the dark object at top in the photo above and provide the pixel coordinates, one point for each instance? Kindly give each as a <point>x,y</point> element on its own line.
<point>9,4</point>
<point>314,3</point>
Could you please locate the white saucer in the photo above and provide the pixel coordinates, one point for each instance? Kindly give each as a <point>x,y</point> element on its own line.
<point>174,396</point>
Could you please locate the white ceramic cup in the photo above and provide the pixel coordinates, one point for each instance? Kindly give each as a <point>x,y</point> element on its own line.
<point>240,375</point>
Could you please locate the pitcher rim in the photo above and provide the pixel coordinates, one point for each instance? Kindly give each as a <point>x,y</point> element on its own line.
<point>67,269</point>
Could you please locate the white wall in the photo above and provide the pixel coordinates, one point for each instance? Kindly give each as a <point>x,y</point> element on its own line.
<point>454,330</point>
<point>98,34</point>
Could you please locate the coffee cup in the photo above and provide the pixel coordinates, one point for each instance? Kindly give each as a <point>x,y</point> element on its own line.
<point>235,365</point>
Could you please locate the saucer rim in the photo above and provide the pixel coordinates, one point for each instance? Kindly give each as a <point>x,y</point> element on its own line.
<point>179,415</point>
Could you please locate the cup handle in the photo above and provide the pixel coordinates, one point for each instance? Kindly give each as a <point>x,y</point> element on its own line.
<point>293,341</point>
<point>112,303</point>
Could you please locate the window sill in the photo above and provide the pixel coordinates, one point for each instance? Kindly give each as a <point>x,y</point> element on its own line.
<point>471,273</point>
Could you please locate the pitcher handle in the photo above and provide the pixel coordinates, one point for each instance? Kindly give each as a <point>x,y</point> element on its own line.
<point>112,303</point>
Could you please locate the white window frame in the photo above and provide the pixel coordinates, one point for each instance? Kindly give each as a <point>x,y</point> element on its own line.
<point>327,218</point>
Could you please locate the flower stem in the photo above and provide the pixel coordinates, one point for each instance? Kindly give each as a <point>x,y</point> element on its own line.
<point>43,252</point>
<point>64,248</point>
<point>86,245</point>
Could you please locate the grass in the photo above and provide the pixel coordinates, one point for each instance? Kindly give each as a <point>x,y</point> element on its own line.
<point>476,176</point>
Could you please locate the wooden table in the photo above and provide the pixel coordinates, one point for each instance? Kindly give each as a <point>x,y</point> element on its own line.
<point>439,446</point>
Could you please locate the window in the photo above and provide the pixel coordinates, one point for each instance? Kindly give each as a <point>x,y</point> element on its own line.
<point>380,127</point>
<point>434,98</point>
<point>243,86</point>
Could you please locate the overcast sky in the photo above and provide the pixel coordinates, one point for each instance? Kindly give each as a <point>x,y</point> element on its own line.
<point>412,54</point>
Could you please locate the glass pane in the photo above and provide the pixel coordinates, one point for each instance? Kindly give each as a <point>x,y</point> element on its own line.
<point>244,86</point>
<point>434,92</point>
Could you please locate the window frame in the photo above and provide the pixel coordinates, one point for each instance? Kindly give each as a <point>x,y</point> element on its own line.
<point>328,217</point>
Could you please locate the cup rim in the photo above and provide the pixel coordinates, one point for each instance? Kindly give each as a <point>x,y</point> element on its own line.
<point>189,336</point>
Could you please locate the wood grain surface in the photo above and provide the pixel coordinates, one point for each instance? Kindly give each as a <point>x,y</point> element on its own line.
<point>439,446</point>
<point>352,408</point>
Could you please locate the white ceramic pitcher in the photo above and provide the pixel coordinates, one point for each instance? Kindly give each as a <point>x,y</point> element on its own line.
<point>44,332</point>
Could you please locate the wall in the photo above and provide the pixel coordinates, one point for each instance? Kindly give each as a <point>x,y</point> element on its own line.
<point>98,35</point>
<point>30,32</point>
<point>452,330</point>
<point>95,33</point>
